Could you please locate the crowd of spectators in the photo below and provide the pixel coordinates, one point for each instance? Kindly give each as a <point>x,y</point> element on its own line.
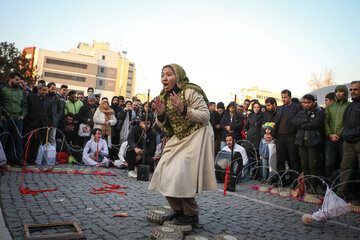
<point>275,143</point>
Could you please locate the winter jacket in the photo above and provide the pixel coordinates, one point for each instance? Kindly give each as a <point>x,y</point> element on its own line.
<point>268,117</point>
<point>253,128</point>
<point>334,113</point>
<point>351,131</point>
<point>236,125</point>
<point>136,140</point>
<point>54,110</point>
<point>309,126</point>
<point>294,109</point>
<point>13,102</point>
<point>73,107</point>
<point>87,113</point>
<point>38,112</point>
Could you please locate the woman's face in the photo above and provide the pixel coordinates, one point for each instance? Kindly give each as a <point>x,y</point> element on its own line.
<point>168,78</point>
<point>256,108</point>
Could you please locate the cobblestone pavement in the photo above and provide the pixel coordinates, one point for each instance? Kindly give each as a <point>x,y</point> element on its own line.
<point>247,213</point>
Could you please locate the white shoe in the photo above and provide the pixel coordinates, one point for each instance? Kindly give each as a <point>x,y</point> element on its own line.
<point>132,174</point>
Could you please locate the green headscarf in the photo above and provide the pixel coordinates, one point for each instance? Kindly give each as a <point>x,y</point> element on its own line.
<point>182,82</point>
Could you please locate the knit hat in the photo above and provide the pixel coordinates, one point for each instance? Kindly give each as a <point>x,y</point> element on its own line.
<point>269,125</point>
<point>92,97</point>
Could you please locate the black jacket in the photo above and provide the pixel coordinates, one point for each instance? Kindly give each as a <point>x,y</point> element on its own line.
<point>54,110</point>
<point>253,128</point>
<point>294,109</point>
<point>309,125</point>
<point>215,120</point>
<point>236,125</point>
<point>268,117</point>
<point>38,112</point>
<point>136,140</point>
<point>351,131</point>
<point>85,113</point>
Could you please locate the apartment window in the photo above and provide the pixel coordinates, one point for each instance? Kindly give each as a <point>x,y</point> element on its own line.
<point>64,76</point>
<point>128,95</point>
<point>128,88</point>
<point>103,57</point>
<point>65,63</point>
<point>101,82</point>
<point>102,70</point>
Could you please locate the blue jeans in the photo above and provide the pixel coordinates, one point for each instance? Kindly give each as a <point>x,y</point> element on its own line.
<point>333,156</point>
<point>265,168</point>
<point>12,130</point>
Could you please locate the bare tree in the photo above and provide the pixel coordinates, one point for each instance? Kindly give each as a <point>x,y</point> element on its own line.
<point>323,79</point>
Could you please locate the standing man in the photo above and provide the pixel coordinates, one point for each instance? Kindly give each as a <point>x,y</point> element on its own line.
<point>270,113</point>
<point>73,105</point>
<point>62,100</point>
<point>37,118</point>
<point>54,111</point>
<point>233,123</point>
<point>309,122</point>
<point>334,125</point>
<point>284,134</point>
<point>215,122</point>
<point>13,111</point>
<point>351,135</point>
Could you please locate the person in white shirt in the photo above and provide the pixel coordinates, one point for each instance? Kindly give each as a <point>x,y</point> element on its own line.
<point>89,153</point>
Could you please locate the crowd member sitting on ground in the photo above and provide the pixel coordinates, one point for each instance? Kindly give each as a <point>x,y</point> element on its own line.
<point>134,154</point>
<point>239,152</point>
<point>89,155</point>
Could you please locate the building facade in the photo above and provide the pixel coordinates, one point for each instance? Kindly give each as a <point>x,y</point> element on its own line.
<point>108,72</point>
<point>256,93</point>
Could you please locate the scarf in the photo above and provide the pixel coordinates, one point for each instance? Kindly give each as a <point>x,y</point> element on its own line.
<point>104,108</point>
<point>182,82</point>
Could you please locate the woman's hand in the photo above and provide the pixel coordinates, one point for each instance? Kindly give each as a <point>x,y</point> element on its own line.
<point>175,101</point>
<point>159,106</point>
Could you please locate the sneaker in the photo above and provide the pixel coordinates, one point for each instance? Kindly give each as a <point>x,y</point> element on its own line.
<point>132,174</point>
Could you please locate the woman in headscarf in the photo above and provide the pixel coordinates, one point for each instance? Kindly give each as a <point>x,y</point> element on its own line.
<point>186,166</point>
<point>104,118</point>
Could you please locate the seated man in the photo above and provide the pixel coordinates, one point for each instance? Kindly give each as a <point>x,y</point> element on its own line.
<point>89,153</point>
<point>239,153</point>
<point>134,154</point>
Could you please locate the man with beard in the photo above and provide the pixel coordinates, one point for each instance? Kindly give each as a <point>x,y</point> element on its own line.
<point>13,111</point>
<point>134,154</point>
<point>62,100</point>
<point>285,133</point>
<point>54,111</point>
<point>349,169</point>
<point>232,122</point>
<point>37,118</point>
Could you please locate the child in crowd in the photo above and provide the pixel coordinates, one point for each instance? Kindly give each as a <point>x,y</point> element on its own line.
<point>267,152</point>
<point>89,153</point>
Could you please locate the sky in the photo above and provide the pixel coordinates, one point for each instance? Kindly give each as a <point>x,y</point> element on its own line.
<point>223,46</point>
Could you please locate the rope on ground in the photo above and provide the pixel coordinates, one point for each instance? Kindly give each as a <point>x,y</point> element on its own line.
<point>27,190</point>
<point>110,187</point>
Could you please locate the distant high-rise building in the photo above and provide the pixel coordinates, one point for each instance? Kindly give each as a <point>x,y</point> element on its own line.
<point>108,72</point>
